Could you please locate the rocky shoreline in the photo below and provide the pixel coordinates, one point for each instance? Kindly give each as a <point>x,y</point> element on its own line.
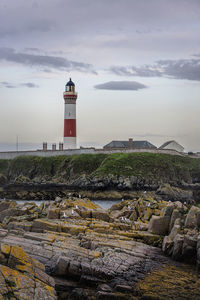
<point>49,191</point>
<point>123,173</point>
<point>91,253</point>
<point>145,247</point>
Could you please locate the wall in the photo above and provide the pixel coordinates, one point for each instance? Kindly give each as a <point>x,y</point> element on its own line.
<point>48,153</point>
<point>11,155</point>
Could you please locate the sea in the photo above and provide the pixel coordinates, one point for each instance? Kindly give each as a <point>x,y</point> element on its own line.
<point>17,146</point>
<point>106,204</point>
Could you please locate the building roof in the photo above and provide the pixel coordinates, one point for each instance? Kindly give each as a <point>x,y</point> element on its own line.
<point>168,143</point>
<point>134,144</point>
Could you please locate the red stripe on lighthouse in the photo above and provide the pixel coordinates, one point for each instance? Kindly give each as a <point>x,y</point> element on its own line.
<point>70,128</point>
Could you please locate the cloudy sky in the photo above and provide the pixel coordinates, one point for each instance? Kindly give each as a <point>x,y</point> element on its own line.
<point>135,63</point>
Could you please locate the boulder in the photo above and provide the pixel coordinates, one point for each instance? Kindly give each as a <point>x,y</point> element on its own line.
<point>86,213</point>
<point>159,225</point>
<point>6,204</point>
<point>148,214</point>
<point>167,211</point>
<point>192,216</point>
<point>21,219</point>
<point>104,287</point>
<point>189,249</point>
<point>171,193</point>
<point>176,214</point>
<point>40,225</point>
<point>198,252</point>
<point>198,218</point>
<point>141,226</point>
<point>62,265</point>
<point>177,249</point>
<point>53,213</point>
<point>3,232</point>
<point>100,215</point>
<point>25,226</point>
<point>115,214</point>
<point>133,216</point>
<point>9,213</point>
<point>167,245</point>
<point>168,242</point>
<point>179,205</point>
<point>175,230</point>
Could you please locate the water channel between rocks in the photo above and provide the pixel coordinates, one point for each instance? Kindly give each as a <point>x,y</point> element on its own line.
<point>106,204</point>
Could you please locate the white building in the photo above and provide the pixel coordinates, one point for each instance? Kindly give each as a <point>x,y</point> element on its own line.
<point>172,145</point>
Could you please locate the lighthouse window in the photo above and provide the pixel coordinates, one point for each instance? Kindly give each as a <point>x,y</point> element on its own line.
<point>70,132</point>
<point>69,114</point>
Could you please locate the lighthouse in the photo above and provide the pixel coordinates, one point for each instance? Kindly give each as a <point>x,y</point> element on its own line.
<point>70,97</point>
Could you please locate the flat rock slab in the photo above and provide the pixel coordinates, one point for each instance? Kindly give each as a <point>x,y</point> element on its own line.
<point>90,259</point>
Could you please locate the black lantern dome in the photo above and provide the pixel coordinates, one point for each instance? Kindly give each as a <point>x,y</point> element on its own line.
<point>70,86</point>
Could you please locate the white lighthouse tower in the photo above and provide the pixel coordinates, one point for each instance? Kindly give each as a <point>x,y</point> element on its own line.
<point>70,97</point>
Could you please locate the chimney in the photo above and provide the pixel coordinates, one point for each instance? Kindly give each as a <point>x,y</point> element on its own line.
<point>130,143</point>
<point>60,146</point>
<point>44,147</point>
<point>53,147</point>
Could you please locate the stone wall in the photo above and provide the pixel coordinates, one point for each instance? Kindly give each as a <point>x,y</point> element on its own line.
<point>48,153</point>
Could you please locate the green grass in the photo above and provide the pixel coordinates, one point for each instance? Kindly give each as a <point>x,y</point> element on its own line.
<point>32,166</point>
<point>86,163</point>
<point>3,166</point>
<point>162,167</point>
<point>150,166</point>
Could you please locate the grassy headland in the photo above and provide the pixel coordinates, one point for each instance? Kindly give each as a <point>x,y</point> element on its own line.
<point>162,167</point>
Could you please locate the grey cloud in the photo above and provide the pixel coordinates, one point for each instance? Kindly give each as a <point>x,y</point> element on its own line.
<point>12,86</point>
<point>41,25</point>
<point>196,55</point>
<point>178,69</point>
<point>95,27</point>
<point>33,49</point>
<point>30,85</point>
<point>47,71</point>
<point>148,134</point>
<point>7,85</point>
<point>181,69</point>
<point>120,85</point>
<point>143,71</point>
<point>88,16</point>
<point>55,62</point>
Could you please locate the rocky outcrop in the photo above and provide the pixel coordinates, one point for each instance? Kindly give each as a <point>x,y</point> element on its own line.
<point>192,219</point>
<point>22,277</point>
<point>172,193</point>
<point>88,252</point>
<point>159,225</point>
<point>93,253</point>
<point>112,187</point>
<point>182,241</point>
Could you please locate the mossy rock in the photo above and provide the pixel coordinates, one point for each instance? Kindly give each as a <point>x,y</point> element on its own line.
<point>170,282</point>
